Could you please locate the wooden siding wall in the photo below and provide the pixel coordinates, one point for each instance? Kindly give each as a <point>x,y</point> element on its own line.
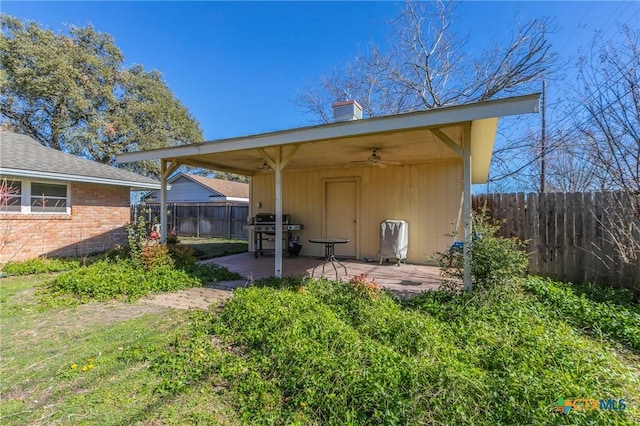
<point>565,238</point>
<point>185,190</point>
<point>427,196</point>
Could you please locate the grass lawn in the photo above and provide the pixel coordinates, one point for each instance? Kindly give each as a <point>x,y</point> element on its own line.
<point>44,353</point>
<point>307,352</point>
<point>208,248</point>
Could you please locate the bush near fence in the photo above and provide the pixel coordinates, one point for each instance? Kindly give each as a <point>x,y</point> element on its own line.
<point>198,219</point>
<point>565,234</point>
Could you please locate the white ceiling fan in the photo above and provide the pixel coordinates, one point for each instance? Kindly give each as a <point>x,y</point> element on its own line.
<point>264,168</point>
<point>375,160</point>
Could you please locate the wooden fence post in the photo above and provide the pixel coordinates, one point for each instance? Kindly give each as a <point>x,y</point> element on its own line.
<point>198,220</point>
<point>533,233</point>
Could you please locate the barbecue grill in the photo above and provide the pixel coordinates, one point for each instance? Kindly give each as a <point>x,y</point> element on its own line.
<point>263,226</point>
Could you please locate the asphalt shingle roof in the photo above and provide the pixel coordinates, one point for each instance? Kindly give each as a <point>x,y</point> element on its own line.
<point>226,188</point>
<point>22,155</point>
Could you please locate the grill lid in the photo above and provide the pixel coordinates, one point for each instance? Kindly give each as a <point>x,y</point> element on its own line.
<point>271,218</point>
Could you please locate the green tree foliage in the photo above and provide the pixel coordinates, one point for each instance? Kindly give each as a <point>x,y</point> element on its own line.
<point>72,92</point>
<point>215,174</point>
<point>231,176</point>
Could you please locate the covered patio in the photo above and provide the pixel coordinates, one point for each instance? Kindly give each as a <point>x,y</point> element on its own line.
<point>343,179</point>
<point>404,280</point>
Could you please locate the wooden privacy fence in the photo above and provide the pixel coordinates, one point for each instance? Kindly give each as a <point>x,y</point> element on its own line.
<point>197,219</point>
<point>567,233</point>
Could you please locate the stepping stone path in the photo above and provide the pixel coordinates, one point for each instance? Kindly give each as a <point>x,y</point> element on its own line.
<point>194,298</point>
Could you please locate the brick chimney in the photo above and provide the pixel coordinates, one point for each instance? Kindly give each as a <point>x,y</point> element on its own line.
<point>347,111</point>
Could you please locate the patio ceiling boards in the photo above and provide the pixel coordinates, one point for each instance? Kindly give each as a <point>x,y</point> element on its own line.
<point>466,131</point>
<point>406,138</point>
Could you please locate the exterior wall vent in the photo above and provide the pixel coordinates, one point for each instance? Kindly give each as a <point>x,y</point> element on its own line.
<point>347,111</point>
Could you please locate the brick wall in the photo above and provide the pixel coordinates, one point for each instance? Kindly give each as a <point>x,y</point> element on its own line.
<point>97,222</point>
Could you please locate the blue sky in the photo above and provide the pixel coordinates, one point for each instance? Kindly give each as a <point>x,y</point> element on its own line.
<point>237,65</point>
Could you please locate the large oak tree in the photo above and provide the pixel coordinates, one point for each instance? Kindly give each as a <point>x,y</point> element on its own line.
<point>71,91</point>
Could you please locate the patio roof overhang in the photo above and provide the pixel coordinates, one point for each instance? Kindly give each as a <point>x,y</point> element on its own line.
<point>408,138</point>
<point>465,131</point>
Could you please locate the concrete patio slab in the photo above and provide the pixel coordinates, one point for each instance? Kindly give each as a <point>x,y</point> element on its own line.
<point>404,280</point>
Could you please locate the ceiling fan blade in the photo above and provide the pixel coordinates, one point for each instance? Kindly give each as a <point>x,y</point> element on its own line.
<point>375,160</point>
<point>356,163</point>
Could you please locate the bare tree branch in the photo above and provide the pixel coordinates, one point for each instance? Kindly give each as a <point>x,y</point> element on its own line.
<point>428,67</point>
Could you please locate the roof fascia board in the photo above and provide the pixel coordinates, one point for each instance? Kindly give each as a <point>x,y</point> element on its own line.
<point>177,176</point>
<point>483,136</point>
<point>211,166</point>
<point>190,178</point>
<point>422,119</point>
<point>76,178</point>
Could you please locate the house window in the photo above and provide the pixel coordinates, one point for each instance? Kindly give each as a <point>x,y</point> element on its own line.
<point>48,198</point>
<point>10,196</point>
<point>25,196</point>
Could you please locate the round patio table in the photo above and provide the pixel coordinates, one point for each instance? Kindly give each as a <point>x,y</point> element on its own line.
<point>329,253</point>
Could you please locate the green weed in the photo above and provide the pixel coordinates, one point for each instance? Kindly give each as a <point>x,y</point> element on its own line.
<point>317,352</point>
<point>125,279</point>
<point>40,265</point>
<point>121,279</point>
<point>613,313</point>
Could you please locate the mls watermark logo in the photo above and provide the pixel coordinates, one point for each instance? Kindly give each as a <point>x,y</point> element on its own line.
<point>565,406</point>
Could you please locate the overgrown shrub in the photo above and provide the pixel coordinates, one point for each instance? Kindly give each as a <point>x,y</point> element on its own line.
<point>183,256</point>
<point>172,238</point>
<point>148,252</point>
<point>138,238</point>
<point>39,266</point>
<point>495,261</point>
<point>369,289</point>
<point>156,256</point>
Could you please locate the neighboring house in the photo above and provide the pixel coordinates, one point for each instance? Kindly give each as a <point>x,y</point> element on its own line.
<point>343,179</point>
<point>59,204</point>
<point>190,188</point>
<point>199,206</point>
